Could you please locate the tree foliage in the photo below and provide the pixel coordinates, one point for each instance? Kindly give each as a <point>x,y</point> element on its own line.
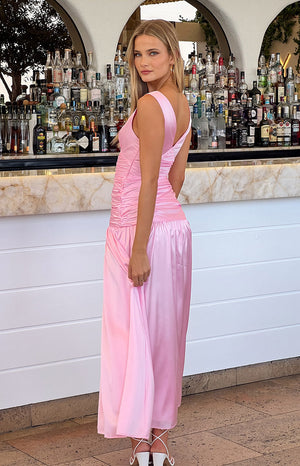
<point>28,28</point>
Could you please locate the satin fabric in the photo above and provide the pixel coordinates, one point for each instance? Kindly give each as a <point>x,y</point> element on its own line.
<point>144,328</point>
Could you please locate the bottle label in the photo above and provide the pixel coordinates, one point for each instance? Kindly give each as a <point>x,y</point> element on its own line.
<point>265,132</point>
<point>96,144</point>
<point>83,95</point>
<point>83,142</point>
<point>251,131</point>
<point>273,134</point>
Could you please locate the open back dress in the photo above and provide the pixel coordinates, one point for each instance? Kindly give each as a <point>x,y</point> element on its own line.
<point>144,328</point>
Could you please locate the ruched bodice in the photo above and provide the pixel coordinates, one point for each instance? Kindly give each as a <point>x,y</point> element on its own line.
<point>128,174</point>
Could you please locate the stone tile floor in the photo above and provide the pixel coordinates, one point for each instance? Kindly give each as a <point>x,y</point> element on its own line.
<point>257,424</point>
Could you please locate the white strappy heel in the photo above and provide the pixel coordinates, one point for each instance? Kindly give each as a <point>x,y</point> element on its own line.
<point>159,458</point>
<point>142,456</point>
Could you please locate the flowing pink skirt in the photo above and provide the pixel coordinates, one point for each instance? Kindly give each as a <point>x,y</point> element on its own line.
<point>144,332</point>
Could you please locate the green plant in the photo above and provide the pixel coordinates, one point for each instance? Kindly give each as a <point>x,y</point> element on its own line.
<point>281,29</point>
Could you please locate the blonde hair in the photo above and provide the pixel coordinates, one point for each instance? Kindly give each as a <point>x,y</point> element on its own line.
<point>165,32</point>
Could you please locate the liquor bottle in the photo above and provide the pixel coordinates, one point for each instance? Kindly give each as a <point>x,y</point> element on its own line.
<point>56,143</point>
<point>287,127</point>
<point>103,130</point>
<point>232,91</point>
<point>250,130</point>
<point>58,98</point>
<point>242,133</point>
<point>67,66</point>
<point>75,88</point>
<point>66,88</point>
<point>201,68</point>
<point>23,146</point>
<point>221,128</point>
<point>186,72</point>
<point>295,129</point>
<point>94,139</point>
<point>119,63</point>
<point>83,140</point>
<point>243,89</point>
<point>206,92</point>
<point>112,130</point>
<point>90,71</point>
<point>121,121</point>
<point>279,126</point>
<point>210,69</point>
<point>48,69</point>
<point>39,138</point>
<point>83,87</point>
<point>194,86</point>
<point>195,127</point>
<point>294,104</point>
<point>90,114</point>
<point>212,125</point>
<point>13,131</point>
<point>264,129</point>
<point>290,86</point>
<point>262,73</point>
<point>71,145</point>
<point>273,132</point>
<point>234,135</point>
<point>78,64</point>
<point>270,92</point>
<point>109,89</point>
<point>95,91</point>
<point>57,69</point>
<point>204,129</point>
<point>255,94</point>
<point>221,75</point>
<point>233,71</point>
<point>76,117</point>
<point>273,70</point>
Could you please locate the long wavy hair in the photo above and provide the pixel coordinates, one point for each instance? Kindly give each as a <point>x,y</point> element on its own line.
<point>165,32</point>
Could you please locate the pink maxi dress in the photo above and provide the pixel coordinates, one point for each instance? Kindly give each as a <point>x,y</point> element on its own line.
<point>144,328</point>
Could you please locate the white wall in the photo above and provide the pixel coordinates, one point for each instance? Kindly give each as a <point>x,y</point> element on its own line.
<point>100,23</point>
<point>245,295</point>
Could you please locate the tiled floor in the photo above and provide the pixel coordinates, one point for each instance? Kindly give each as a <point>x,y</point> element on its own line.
<point>256,424</point>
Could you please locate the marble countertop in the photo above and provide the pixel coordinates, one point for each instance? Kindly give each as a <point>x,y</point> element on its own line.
<point>86,189</point>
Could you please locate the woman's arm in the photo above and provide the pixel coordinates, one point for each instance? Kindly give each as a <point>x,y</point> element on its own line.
<point>177,171</point>
<point>150,125</point>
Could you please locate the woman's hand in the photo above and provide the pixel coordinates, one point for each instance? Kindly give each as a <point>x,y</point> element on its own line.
<point>139,267</point>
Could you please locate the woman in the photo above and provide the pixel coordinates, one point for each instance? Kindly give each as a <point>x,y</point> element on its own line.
<point>147,270</point>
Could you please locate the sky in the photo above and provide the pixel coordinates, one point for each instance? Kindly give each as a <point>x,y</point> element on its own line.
<point>167,11</point>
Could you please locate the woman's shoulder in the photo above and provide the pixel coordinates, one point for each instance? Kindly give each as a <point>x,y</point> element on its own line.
<point>148,105</point>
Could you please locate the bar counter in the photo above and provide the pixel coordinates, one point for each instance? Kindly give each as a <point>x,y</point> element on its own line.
<point>56,190</point>
<point>245,280</point>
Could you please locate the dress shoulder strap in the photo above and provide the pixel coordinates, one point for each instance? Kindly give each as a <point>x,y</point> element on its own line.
<point>170,119</point>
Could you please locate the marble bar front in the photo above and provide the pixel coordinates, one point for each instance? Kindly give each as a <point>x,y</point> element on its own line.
<point>89,189</point>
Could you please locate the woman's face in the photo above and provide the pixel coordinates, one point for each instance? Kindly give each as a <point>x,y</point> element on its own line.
<point>152,59</point>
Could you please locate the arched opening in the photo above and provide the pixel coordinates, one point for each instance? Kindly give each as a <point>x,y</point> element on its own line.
<point>197,30</point>
<point>28,30</point>
<point>283,36</point>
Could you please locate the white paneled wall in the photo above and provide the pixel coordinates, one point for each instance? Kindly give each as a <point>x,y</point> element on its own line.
<point>245,299</point>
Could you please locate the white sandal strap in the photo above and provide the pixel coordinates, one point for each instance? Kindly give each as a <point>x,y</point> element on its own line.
<point>132,459</point>
<point>158,437</point>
